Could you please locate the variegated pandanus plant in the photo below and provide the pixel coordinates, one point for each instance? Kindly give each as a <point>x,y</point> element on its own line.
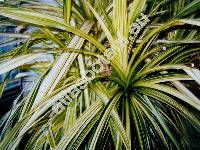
<point>146,97</point>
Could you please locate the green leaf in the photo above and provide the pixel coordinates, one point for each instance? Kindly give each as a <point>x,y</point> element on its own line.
<point>136,8</point>
<point>104,120</point>
<point>80,125</point>
<point>162,123</point>
<point>17,62</point>
<point>50,137</point>
<point>67,10</point>
<point>191,7</point>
